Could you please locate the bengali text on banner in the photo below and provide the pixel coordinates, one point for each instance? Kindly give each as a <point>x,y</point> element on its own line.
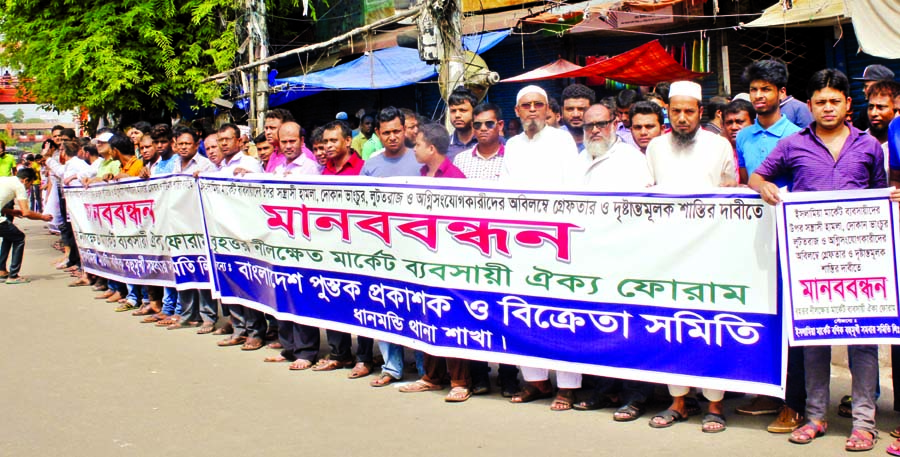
<point>146,232</point>
<point>658,287</point>
<point>838,260</point>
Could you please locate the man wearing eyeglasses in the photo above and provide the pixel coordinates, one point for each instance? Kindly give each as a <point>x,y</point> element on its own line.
<point>615,164</point>
<point>542,157</point>
<point>484,160</point>
<point>539,156</point>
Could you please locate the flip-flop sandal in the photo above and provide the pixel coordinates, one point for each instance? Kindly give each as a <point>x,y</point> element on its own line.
<point>206,329</point>
<point>669,417</point>
<point>459,395</point>
<point>383,380</point>
<point>627,413</point>
<point>275,359</point>
<point>419,386</point>
<point>713,418</point>
<point>894,448</point>
<point>18,280</point>
<point>124,307</point>
<point>859,441</point>
<point>300,365</point>
<point>530,393</point>
<point>563,400</point>
<point>896,432</point>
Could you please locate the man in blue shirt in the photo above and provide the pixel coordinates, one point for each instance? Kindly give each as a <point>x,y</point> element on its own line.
<point>767,80</point>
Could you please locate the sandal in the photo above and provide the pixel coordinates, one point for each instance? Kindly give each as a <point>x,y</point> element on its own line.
<point>360,370</point>
<point>144,311</point>
<point>563,400</point>
<point>629,412</point>
<point>168,321</point>
<point>206,328</point>
<point>861,440</point>
<point>124,307</point>
<point>669,418</point>
<point>18,280</point>
<point>300,365</point>
<point>420,386</point>
<point>896,433</point>
<point>807,433</point>
<point>894,448</point>
<point>459,394</point>
<point>183,324</point>
<point>531,392</point>
<point>713,418</point>
<point>275,359</point>
<point>592,400</point>
<point>331,365</point>
<point>383,380</point>
<point>154,318</point>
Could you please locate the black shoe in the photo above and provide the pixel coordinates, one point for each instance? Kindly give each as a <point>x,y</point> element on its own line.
<point>509,389</point>
<point>481,387</point>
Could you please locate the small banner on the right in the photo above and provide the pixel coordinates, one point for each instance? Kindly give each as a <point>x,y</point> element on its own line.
<point>838,253</point>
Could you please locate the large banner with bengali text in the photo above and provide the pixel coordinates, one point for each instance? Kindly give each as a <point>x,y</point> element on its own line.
<point>147,232</point>
<point>657,287</point>
<point>839,264</point>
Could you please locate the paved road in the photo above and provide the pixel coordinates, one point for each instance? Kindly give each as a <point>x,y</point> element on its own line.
<point>80,380</point>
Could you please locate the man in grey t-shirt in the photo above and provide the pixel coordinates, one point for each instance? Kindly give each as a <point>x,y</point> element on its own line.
<point>395,159</point>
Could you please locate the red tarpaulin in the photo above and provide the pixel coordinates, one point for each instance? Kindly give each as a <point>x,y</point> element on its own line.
<point>646,65</point>
<point>546,72</point>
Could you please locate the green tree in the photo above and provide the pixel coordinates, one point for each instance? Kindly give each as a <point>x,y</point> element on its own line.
<point>111,57</point>
<point>3,119</point>
<point>8,140</point>
<point>18,116</point>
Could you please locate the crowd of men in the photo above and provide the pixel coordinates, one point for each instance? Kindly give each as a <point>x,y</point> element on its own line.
<point>764,139</point>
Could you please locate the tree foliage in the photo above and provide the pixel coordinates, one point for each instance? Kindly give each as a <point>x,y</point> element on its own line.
<point>118,56</point>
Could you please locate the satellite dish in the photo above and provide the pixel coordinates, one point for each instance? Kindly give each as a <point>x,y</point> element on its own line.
<point>478,78</point>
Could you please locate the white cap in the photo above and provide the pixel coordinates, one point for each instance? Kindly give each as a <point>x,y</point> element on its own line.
<point>686,89</point>
<point>742,96</point>
<point>530,90</point>
<point>104,137</point>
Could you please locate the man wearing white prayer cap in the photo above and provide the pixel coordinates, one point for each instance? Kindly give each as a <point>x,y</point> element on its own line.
<point>690,158</point>
<point>541,156</point>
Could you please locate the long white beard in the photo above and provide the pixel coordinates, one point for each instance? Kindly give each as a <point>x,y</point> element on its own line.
<point>597,149</point>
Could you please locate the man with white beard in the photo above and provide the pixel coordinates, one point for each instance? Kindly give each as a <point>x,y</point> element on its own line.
<point>542,157</point>
<point>539,156</point>
<point>614,164</point>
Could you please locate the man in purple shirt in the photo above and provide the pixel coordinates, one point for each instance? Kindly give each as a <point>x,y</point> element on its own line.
<point>829,154</point>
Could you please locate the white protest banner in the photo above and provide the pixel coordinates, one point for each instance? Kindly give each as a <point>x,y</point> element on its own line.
<point>658,287</point>
<point>146,232</point>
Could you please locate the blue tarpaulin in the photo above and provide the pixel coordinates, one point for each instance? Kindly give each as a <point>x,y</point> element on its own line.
<point>382,69</point>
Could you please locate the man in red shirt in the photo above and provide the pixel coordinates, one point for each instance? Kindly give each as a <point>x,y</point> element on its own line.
<point>341,160</point>
<point>431,150</point>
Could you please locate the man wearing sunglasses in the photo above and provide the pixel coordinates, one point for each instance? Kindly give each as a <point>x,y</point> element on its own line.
<point>539,156</point>
<point>484,160</point>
